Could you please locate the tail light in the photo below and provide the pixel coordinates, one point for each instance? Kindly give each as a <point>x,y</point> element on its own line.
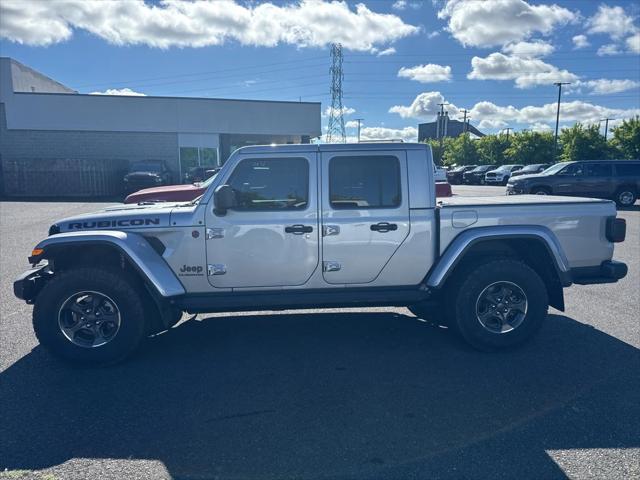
<point>616,229</point>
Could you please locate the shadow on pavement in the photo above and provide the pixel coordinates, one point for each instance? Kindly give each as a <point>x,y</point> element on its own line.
<point>345,394</point>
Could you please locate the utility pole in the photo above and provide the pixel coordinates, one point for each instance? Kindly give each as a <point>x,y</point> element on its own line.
<point>359,120</point>
<point>555,141</point>
<point>606,126</point>
<point>335,130</point>
<point>508,129</point>
<point>464,120</point>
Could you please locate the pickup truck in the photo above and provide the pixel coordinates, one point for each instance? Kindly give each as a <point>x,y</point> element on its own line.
<point>314,226</point>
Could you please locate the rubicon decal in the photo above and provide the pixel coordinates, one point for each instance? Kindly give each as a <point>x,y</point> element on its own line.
<point>128,222</point>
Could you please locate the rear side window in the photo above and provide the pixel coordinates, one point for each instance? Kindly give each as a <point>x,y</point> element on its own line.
<point>598,169</point>
<point>271,184</point>
<point>364,182</point>
<point>628,169</point>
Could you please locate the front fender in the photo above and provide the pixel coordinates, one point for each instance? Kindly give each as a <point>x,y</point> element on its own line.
<point>467,239</point>
<point>133,246</point>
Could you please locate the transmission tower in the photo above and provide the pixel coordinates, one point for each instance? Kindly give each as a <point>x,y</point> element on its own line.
<point>335,130</point>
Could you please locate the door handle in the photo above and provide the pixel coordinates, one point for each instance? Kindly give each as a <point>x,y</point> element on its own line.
<point>298,229</point>
<point>384,227</point>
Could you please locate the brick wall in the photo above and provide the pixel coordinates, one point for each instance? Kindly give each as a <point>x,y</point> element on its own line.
<point>77,158</point>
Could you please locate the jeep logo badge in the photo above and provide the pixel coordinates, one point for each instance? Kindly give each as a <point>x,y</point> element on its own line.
<point>191,270</point>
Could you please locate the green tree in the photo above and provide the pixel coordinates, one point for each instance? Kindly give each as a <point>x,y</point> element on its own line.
<point>491,149</point>
<point>530,147</point>
<point>437,151</point>
<point>583,143</point>
<point>626,138</point>
<point>459,150</point>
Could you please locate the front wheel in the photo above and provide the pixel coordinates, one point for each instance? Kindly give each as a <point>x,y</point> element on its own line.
<point>540,191</point>
<point>498,304</point>
<point>90,316</point>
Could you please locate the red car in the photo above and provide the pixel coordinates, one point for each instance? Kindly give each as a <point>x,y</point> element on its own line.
<point>170,193</point>
<point>186,193</point>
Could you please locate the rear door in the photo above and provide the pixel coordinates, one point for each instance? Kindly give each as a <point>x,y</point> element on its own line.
<point>365,213</point>
<point>597,180</point>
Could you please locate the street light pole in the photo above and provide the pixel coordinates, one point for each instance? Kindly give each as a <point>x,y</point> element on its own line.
<point>555,141</point>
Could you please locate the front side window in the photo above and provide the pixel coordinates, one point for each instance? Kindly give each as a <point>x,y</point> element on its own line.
<point>271,184</point>
<point>364,182</point>
<point>575,169</point>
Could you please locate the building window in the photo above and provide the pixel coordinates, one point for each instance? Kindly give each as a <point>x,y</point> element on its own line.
<point>364,182</point>
<point>191,157</point>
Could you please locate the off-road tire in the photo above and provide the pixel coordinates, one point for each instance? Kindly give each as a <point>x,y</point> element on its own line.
<point>465,291</point>
<point>625,197</point>
<point>125,293</point>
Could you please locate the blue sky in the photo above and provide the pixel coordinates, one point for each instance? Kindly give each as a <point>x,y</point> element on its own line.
<point>497,59</point>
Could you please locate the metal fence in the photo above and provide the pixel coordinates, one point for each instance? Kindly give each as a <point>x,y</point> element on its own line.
<point>64,177</point>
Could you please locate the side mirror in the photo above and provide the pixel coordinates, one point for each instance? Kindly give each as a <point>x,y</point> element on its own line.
<point>224,198</point>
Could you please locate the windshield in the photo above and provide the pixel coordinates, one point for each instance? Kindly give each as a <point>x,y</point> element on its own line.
<point>458,169</point>
<point>530,168</point>
<point>145,167</point>
<point>482,168</point>
<point>555,168</point>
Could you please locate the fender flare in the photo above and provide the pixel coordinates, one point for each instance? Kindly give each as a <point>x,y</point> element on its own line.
<point>456,250</point>
<point>149,264</point>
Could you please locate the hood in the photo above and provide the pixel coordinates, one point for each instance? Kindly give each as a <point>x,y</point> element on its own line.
<point>168,188</point>
<point>142,174</point>
<point>120,217</point>
<point>528,176</point>
<point>172,193</point>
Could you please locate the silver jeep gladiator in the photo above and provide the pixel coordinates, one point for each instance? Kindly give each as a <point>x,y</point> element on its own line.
<point>310,226</point>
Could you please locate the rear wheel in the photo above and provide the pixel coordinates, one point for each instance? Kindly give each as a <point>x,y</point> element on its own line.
<point>90,316</point>
<point>498,304</point>
<point>625,197</point>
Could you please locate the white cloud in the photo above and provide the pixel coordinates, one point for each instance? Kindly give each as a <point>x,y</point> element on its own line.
<point>403,4</point>
<point>387,51</point>
<point>609,49</point>
<point>429,73</point>
<point>526,72</point>
<point>408,134</point>
<point>633,43</point>
<point>351,124</point>
<point>424,106</point>
<point>120,91</point>
<point>536,48</point>
<point>540,127</point>
<point>606,86</point>
<point>612,21</point>
<point>490,115</point>
<point>345,111</point>
<point>489,23</point>
<point>200,23</point>
<point>580,41</point>
<point>433,34</point>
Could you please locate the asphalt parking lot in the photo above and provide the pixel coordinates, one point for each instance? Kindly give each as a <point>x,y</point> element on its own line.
<point>370,393</point>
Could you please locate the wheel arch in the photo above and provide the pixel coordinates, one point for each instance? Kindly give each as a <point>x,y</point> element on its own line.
<point>536,245</point>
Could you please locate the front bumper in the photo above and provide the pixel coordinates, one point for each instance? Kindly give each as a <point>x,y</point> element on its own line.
<point>515,189</point>
<point>27,285</point>
<point>498,180</point>
<point>609,271</point>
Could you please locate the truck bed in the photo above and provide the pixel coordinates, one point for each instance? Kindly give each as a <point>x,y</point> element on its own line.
<point>578,223</point>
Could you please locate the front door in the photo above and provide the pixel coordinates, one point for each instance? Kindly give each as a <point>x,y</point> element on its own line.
<point>270,238</point>
<point>569,180</point>
<point>365,213</point>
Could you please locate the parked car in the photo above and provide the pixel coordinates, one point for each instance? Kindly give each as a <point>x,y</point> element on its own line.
<point>454,176</point>
<point>170,193</point>
<point>618,180</point>
<point>146,173</point>
<point>531,169</point>
<point>476,175</point>
<point>500,175</point>
<point>199,174</point>
<point>271,233</point>
<point>439,174</point>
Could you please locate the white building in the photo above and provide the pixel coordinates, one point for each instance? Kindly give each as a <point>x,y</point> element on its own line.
<point>50,134</point>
